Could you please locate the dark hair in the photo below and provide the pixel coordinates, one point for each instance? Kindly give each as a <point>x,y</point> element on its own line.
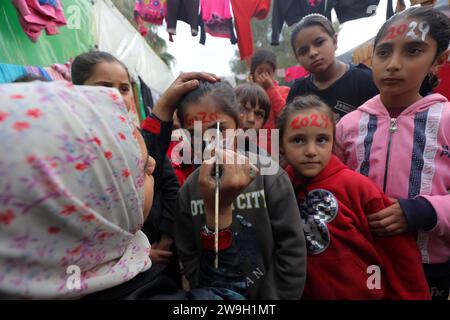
<point>255,95</point>
<point>221,92</point>
<point>302,103</point>
<point>439,25</point>
<point>84,65</point>
<point>261,56</point>
<point>29,78</point>
<point>312,20</point>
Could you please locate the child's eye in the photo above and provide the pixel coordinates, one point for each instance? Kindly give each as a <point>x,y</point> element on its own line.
<point>259,114</point>
<point>414,51</point>
<point>322,140</point>
<point>319,42</point>
<point>298,140</point>
<point>125,89</point>
<point>302,51</point>
<point>382,53</point>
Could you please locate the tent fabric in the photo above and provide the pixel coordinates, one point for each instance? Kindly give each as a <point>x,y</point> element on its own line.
<point>74,38</point>
<point>127,44</point>
<point>90,24</point>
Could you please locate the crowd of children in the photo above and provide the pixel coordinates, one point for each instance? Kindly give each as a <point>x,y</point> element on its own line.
<point>357,208</point>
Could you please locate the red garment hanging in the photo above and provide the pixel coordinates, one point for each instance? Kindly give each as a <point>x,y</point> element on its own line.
<point>243,12</point>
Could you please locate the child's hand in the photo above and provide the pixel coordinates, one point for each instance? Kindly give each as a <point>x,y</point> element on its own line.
<point>235,178</point>
<point>264,80</point>
<point>185,82</point>
<point>160,256</point>
<point>389,221</point>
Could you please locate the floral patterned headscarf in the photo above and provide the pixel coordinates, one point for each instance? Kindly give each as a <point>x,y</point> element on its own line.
<point>71,191</point>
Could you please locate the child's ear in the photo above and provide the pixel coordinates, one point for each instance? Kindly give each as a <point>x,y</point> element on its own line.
<point>335,41</point>
<point>250,78</point>
<point>440,61</point>
<point>281,149</point>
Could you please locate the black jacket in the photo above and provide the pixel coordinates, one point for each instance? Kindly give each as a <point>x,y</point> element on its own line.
<point>292,11</point>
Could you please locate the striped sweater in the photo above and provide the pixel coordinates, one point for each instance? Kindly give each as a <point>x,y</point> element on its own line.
<point>407,157</point>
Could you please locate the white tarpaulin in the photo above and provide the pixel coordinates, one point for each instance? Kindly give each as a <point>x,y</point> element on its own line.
<point>117,36</point>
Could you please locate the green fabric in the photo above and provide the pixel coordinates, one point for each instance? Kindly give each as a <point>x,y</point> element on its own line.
<point>17,48</point>
<point>141,102</point>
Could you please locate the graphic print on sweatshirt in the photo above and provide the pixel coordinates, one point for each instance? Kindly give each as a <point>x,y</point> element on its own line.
<point>245,201</point>
<point>319,208</point>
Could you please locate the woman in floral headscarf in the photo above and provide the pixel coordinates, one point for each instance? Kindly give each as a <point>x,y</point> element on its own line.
<point>71,199</point>
<point>75,179</point>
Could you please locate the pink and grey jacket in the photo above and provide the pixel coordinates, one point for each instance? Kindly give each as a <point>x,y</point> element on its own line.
<point>407,157</point>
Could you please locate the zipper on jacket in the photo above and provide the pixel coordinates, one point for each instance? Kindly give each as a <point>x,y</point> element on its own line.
<point>392,129</point>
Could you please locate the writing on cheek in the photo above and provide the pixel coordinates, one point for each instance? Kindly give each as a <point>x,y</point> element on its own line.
<point>204,117</point>
<point>311,121</point>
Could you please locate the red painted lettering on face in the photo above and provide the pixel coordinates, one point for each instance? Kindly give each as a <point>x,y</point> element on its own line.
<point>325,120</point>
<point>311,121</point>
<point>204,117</point>
<point>314,122</point>
<point>396,31</point>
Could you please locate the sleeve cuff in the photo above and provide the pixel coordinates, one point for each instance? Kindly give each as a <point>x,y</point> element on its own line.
<point>419,214</point>
<point>155,125</point>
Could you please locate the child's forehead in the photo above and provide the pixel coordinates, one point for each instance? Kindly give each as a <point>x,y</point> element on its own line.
<point>265,65</point>
<point>407,28</point>
<point>310,118</point>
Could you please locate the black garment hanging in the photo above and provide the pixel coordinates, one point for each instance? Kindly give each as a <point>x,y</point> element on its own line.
<point>347,10</point>
<point>389,9</point>
<point>226,25</point>
<point>147,97</point>
<point>292,11</point>
<point>183,10</point>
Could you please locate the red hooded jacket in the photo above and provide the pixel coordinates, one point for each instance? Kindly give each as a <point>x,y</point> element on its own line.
<point>341,268</point>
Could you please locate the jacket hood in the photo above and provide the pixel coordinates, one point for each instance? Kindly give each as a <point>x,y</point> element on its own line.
<point>376,107</point>
<point>333,167</point>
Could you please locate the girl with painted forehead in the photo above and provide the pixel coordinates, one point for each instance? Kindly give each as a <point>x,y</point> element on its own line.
<point>400,139</point>
<point>345,260</point>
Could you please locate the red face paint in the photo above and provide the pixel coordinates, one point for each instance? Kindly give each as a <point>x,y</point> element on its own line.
<point>415,30</point>
<point>395,31</point>
<point>311,121</point>
<point>204,117</point>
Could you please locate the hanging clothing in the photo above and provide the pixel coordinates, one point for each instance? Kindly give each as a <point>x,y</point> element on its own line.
<point>11,72</point>
<point>64,70</point>
<point>216,19</point>
<point>151,11</point>
<point>74,200</point>
<point>54,75</point>
<point>38,72</point>
<point>292,11</point>
<point>147,97</point>
<point>400,6</point>
<point>347,10</point>
<point>244,11</point>
<point>423,2</point>
<point>35,17</point>
<point>53,3</point>
<point>184,10</point>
